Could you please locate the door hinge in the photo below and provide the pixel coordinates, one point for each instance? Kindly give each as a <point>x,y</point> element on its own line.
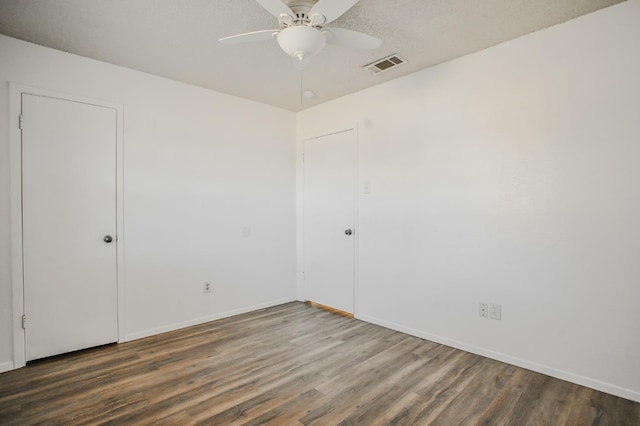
<point>24,322</point>
<point>21,122</point>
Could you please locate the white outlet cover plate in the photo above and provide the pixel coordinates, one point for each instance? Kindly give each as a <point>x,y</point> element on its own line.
<point>495,311</point>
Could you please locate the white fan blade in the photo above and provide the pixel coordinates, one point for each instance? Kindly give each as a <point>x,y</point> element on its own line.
<point>276,7</point>
<point>332,9</point>
<point>350,38</point>
<point>263,35</point>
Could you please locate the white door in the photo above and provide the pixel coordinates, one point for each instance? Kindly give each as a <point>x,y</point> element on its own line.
<point>329,234</point>
<point>69,210</point>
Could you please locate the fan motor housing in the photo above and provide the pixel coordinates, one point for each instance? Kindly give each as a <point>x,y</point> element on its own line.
<point>301,10</point>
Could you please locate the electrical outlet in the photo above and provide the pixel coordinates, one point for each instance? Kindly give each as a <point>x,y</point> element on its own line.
<point>495,311</point>
<point>484,310</point>
<point>206,287</point>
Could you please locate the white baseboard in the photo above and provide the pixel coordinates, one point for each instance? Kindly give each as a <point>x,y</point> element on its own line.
<point>201,320</point>
<point>549,371</point>
<point>6,366</point>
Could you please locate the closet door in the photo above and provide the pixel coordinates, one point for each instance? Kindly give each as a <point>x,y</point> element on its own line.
<point>329,216</point>
<point>69,225</point>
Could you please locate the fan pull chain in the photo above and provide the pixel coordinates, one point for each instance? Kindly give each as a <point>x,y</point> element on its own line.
<point>300,87</point>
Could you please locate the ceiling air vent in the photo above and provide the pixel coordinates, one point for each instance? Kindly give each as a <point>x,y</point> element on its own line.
<point>384,64</point>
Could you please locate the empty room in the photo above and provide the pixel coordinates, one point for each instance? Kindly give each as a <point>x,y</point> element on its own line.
<point>374,212</point>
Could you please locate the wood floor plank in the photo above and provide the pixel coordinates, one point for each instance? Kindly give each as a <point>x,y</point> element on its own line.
<point>289,412</point>
<point>439,391</point>
<point>471,400</point>
<point>294,364</point>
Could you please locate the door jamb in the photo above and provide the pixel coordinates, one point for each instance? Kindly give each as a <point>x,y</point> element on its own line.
<point>15,202</point>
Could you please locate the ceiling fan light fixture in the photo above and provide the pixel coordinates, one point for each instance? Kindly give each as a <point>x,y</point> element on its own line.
<point>301,33</point>
<point>301,41</point>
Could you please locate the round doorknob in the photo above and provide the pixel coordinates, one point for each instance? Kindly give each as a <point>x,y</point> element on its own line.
<point>348,232</point>
<point>107,239</point>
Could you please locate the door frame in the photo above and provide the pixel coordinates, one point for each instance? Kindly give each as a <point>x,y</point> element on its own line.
<point>302,293</point>
<point>16,91</point>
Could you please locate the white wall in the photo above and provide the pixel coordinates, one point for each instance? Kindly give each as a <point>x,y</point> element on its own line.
<point>509,176</point>
<point>199,165</point>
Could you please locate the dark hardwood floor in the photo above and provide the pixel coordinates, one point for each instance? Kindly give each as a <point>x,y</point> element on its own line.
<point>294,364</point>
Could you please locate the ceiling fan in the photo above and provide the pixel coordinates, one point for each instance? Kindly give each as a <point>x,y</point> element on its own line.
<point>302,32</point>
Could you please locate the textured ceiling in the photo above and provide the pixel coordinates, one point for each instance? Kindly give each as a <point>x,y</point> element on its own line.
<point>177,39</point>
